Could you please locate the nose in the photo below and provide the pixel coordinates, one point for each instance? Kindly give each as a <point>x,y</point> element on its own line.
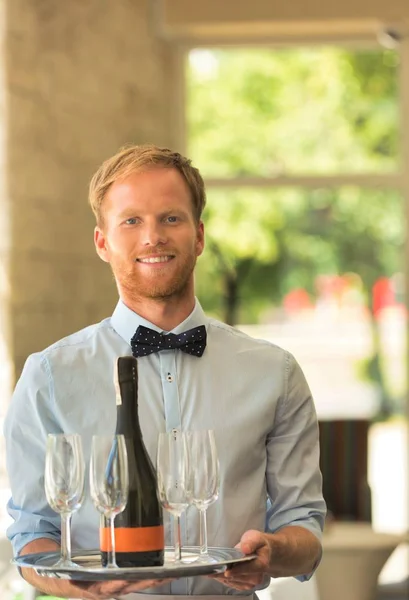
<point>154,234</point>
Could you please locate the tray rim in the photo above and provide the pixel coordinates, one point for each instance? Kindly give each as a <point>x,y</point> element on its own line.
<point>193,569</point>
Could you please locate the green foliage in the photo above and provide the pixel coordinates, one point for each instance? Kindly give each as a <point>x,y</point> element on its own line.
<point>309,233</point>
<point>321,110</point>
<point>375,81</point>
<point>348,230</point>
<point>255,242</point>
<point>316,110</point>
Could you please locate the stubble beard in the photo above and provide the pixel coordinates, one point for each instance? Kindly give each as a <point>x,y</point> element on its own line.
<point>139,287</point>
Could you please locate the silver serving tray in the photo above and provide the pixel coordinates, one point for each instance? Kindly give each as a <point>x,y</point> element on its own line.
<point>91,569</point>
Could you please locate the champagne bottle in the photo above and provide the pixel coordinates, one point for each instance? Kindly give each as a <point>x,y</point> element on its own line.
<point>139,534</point>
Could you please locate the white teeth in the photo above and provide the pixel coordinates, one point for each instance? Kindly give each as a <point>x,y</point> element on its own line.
<point>155,259</point>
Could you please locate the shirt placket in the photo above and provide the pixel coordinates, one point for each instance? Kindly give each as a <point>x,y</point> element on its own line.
<point>173,419</point>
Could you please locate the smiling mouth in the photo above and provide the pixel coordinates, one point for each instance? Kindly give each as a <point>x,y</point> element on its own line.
<point>149,260</point>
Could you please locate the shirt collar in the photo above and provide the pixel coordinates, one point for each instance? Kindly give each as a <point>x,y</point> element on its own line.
<point>125,321</point>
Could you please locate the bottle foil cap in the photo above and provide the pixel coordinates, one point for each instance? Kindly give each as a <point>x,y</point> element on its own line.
<point>125,370</point>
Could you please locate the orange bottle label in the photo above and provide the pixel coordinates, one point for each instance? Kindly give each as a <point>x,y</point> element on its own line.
<point>133,539</point>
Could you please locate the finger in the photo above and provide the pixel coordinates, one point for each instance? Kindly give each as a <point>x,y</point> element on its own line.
<point>136,586</point>
<point>103,587</point>
<point>249,568</point>
<point>251,541</point>
<point>254,579</point>
<point>245,583</point>
<point>226,576</point>
<point>103,590</point>
<point>239,584</point>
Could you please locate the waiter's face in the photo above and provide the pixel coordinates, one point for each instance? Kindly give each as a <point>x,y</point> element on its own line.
<point>149,234</point>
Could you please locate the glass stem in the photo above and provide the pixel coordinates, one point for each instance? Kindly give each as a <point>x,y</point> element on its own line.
<point>65,537</point>
<point>177,538</point>
<point>111,564</point>
<point>203,533</point>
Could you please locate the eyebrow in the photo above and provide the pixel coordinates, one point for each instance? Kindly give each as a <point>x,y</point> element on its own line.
<point>174,211</point>
<point>125,214</point>
<point>128,213</point>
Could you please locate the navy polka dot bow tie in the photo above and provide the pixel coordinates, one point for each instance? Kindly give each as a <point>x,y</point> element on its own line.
<point>146,341</point>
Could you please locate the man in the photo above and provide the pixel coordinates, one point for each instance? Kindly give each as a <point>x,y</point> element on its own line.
<point>148,203</point>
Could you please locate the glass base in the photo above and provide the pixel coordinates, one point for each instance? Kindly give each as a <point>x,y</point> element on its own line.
<point>205,559</point>
<point>186,558</point>
<point>189,558</point>
<point>66,564</point>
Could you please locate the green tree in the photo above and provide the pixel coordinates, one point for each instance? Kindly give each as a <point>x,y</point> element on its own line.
<point>263,112</point>
<point>315,110</point>
<point>233,252</point>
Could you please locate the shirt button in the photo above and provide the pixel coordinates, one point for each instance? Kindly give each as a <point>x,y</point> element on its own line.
<point>169,378</point>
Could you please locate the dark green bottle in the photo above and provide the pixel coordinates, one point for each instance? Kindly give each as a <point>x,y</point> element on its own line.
<point>139,534</point>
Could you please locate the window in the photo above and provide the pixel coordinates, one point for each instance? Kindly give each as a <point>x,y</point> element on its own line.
<point>305,220</point>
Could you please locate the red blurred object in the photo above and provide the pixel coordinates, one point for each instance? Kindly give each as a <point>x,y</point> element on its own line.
<point>297,300</point>
<point>383,295</point>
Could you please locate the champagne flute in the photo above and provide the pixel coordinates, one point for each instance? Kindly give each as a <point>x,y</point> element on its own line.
<point>204,479</point>
<point>64,485</point>
<point>109,484</point>
<point>173,480</point>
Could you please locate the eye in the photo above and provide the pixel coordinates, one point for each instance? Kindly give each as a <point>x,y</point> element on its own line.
<point>130,221</point>
<point>172,219</point>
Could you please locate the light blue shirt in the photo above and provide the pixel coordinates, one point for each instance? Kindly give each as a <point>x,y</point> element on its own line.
<point>251,392</point>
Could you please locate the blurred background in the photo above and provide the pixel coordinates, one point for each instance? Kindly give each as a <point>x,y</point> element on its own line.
<point>297,115</point>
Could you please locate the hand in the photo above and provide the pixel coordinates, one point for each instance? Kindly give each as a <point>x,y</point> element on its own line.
<point>251,574</point>
<point>241,582</point>
<point>105,590</point>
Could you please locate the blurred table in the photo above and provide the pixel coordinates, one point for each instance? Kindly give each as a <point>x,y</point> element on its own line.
<point>354,555</point>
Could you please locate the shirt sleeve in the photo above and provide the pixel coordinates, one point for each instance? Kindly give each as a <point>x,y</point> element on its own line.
<point>29,420</point>
<point>294,481</point>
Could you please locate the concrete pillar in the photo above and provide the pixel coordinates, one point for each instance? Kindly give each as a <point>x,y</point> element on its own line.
<point>78,80</point>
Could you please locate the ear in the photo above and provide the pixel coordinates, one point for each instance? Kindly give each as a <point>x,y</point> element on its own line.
<point>101,244</point>
<point>200,242</point>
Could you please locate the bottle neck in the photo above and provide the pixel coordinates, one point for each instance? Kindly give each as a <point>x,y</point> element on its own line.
<point>127,412</point>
